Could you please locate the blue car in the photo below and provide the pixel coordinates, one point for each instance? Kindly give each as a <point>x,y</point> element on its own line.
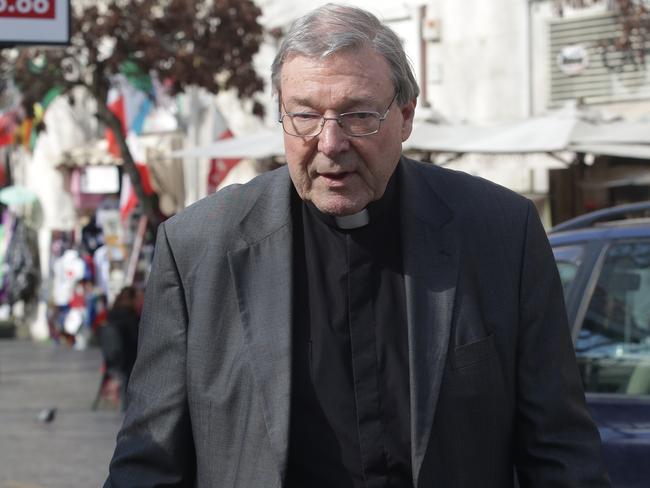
<point>604,264</point>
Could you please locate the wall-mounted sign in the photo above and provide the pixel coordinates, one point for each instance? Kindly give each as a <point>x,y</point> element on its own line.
<point>100,179</point>
<point>34,22</point>
<point>572,60</point>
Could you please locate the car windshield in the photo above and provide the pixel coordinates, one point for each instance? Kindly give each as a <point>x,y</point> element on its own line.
<point>613,343</point>
<point>568,259</point>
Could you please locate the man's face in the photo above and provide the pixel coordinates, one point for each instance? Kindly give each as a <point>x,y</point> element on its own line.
<point>339,173</point>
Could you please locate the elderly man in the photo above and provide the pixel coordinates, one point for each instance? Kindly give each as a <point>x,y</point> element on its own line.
<point>354,319</point>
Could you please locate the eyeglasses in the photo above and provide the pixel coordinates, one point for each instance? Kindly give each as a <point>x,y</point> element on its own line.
<point>355,124</point>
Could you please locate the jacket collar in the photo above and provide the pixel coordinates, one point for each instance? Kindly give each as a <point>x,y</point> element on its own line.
<point>266,205</point>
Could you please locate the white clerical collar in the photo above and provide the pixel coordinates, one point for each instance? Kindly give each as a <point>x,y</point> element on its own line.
<point>353,221</point>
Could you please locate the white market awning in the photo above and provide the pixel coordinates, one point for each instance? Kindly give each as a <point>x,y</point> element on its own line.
<point>635,151</point>
<point>548,134</point>
<point>265,143</point>
<point>544,134</point>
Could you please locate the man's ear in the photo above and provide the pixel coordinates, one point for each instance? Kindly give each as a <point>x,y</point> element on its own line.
<point>408,112</point>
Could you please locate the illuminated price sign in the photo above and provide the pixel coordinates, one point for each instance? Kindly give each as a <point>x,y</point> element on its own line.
<point>28,9</point>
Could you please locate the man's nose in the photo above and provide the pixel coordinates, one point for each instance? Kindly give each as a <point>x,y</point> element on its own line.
<point>332,139</point>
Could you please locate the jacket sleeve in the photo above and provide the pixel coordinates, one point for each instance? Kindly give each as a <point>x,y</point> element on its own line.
<point>557,443</point>
<point>155,445</point>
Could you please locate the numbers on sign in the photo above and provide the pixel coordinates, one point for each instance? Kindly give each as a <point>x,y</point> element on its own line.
<point>27,8</point>
<point>24,6</point>
<point>41,6</point>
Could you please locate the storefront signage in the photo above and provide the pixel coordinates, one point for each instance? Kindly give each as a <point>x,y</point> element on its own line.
<point>573,60</point>
<point>34,22</point>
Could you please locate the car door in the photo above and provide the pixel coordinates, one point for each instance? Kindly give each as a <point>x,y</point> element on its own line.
<point>608,293</point>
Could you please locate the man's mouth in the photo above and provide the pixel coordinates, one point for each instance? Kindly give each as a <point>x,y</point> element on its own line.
<point>336,180</point>
<point>335,176</point>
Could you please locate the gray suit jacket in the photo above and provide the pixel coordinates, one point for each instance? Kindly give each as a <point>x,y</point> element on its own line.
<point>493,379</point>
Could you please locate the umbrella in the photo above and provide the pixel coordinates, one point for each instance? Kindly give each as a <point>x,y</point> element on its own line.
<point>17,195</point>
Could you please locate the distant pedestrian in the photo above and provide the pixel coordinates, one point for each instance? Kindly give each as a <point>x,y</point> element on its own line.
<point>124,317</point>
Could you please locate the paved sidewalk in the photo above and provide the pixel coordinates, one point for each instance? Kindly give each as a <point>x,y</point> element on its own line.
<point>74,450</point>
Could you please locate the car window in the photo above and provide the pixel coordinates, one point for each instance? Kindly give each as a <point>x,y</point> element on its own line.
<point>613,345</point>
<point>568,259</point>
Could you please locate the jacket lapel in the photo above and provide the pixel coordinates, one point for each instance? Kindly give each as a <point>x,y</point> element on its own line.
<point>262,274</point>
<point>430,273</point>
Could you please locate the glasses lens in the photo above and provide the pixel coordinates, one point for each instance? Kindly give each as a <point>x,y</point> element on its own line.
<point>301,124</point>
<point>360,123</point>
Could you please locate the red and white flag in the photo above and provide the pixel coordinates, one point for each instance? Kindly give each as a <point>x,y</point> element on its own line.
<point>219,168</point>
<point>128,197</point>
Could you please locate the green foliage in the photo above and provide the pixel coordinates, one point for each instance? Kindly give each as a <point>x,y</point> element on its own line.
<point>206,43</point>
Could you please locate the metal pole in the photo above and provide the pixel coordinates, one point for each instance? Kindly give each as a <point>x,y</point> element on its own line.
<point>529,45</point>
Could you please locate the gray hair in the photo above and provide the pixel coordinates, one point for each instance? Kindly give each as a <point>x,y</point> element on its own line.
<point>333,28</point>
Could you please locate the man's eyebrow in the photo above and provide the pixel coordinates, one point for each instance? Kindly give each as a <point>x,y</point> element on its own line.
<point>366,100</point>
<point>298,101</point>
<point>349,104</point>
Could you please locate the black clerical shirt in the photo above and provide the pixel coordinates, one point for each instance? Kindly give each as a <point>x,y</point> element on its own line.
<point>350,386</point>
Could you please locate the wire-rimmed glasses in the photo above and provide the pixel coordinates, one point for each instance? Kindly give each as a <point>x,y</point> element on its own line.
<point>355,124</point>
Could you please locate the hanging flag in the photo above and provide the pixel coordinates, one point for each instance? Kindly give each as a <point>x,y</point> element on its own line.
<point>130,104</point>
<point>136,77</point>
<point>128,198</point>
<point>39,109</point>
<point>145,178</point>
<point>7,128</point>
<point>130,99</point>
<point>138,121</point>
<point>26,132</point>
<point>18,127</point>
<point>115,104</point>
<point>49,97</point>
<point>219,168</point>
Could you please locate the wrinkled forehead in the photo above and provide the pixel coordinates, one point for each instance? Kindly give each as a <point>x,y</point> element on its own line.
<point>362,67</point>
